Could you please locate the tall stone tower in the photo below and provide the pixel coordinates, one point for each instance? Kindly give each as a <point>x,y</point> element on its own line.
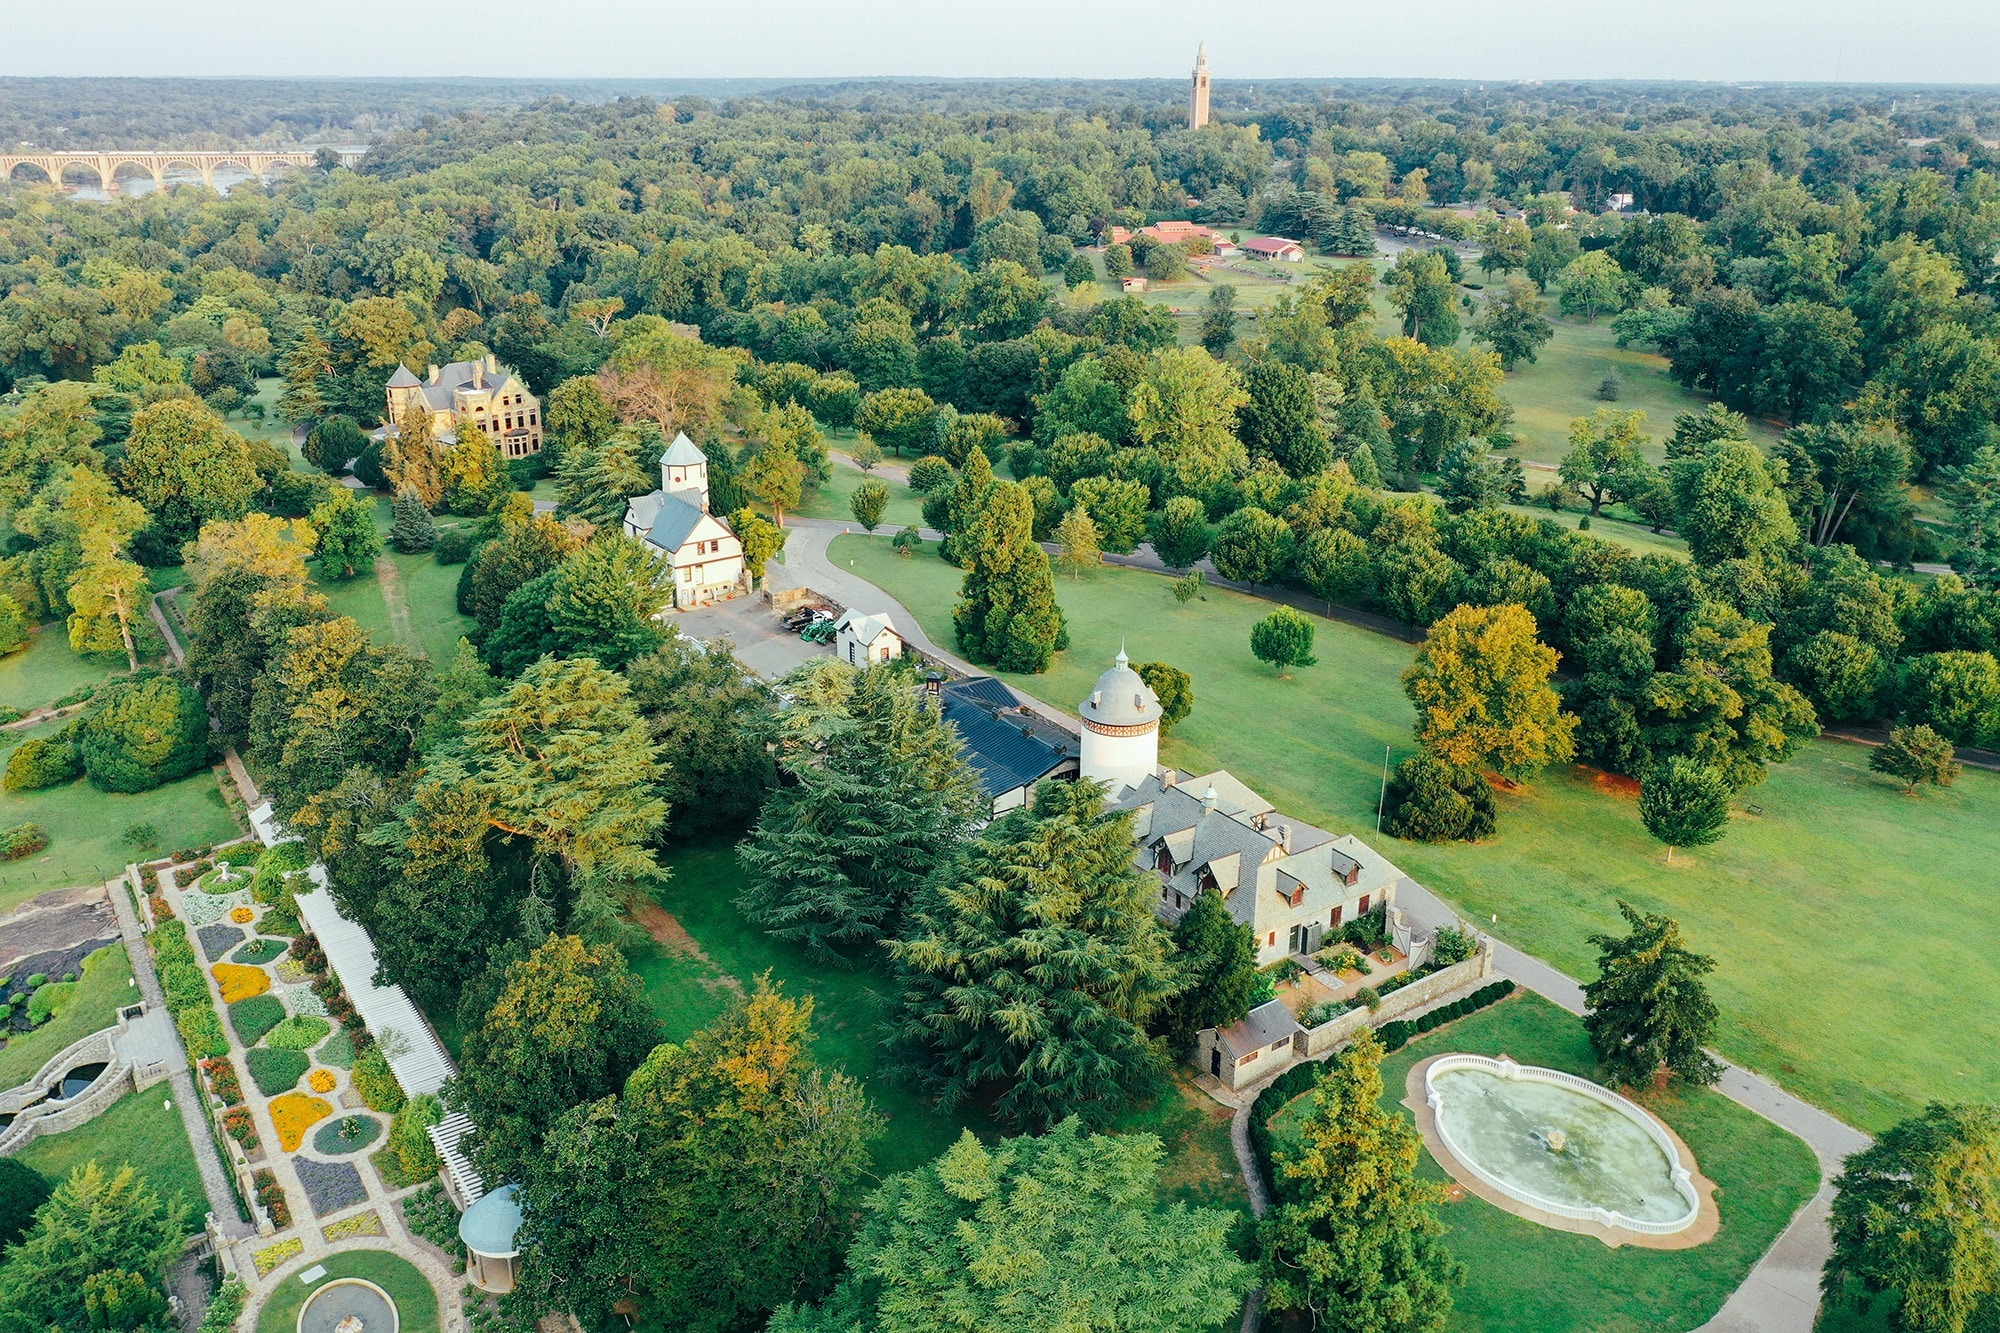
<point>1198,95</point>
<point>1121,728</point>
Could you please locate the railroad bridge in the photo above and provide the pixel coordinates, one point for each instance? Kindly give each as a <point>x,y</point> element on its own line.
<point>156,163</point>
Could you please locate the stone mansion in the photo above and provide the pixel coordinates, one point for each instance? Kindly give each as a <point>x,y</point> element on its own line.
<point>482,392</point>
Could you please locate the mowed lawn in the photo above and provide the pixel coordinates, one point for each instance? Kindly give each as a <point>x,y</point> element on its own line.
<point>138,1130</point>
<point>690,987</point>
<point>1851,923</point>
<point>416,1300</point>
<point>47,670</point>
<point>411,599</point>
<point>86,826</point>
<point>834,500</point>
<point>1524,1277</point>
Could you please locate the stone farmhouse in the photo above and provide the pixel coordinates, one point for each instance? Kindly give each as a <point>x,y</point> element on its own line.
<point>704,555</point>
<point>482,392</point>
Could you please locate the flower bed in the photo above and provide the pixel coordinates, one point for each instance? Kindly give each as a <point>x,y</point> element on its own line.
<point>271,1195</point>
<point>430,1214</point>
<point>187,991</point>
<point>271,1256</point>
<point>336,1052</point>
<point>254,1017</point>
<point>213,883</point>
<point>275,1071</point>
<point>217,941</point>
<point>295,1113</point>
<point>260,951</point>
<point>322,1080</point>
<point>361,1224</point>
<point>350,1133</point>
<point>242,916</point>
<point>222,1080</point>
<point>202,910</point>
<point>238,1125</point>
<point>303,1001</point>
<point>291,971</point>
<point>240,982</point>
<point>299,1034</point>
<point>330,1186</point>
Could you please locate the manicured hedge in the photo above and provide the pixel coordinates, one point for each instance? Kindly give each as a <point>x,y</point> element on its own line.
<point>186,988</point>
<point>275,1071</point>
<point>1397,1035</point>
<point>253,1017</point>
<point>377,1086</point>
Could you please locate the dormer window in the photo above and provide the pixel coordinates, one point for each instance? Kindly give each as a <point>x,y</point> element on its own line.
<point>1164,861</point>
<point>1298,896</point>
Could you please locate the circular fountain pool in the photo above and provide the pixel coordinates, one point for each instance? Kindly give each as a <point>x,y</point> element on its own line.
<point>1561,1144</point>
<point>348,1305</point>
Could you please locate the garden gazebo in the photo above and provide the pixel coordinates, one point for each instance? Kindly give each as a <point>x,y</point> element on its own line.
<point>487,1229</point>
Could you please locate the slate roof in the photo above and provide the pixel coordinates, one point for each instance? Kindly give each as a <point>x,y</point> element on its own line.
<point>452,377</point>
<point>1003,743</point>
<point>1264,1026</point>
<point>404,378</point>
<point>866,628</point>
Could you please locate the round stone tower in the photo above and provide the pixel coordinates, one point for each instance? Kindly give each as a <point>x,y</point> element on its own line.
<point>1121,728</point>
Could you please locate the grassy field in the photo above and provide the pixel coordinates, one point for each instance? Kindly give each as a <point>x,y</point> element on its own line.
<point>832,500</point>
<point>92,1003</point>
<point>46,670</point>
<point>138,1129</point>
<point>86,826</point>
<point>415,1298</point>
<point>1847,918</point>
<point>1521,1276</point>
<point>416,606</point>
<point>692,980</point>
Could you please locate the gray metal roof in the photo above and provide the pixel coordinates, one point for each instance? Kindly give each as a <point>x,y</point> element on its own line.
<point>683,452</point>
<point>1122,698</point>
<point>665,519</point>
<point>1003,745</point>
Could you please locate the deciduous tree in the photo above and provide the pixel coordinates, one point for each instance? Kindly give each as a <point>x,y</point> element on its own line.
<point>1481,688</point>
<point>348,542</point>
<point>1916,754</point>
<point>1284,639</point>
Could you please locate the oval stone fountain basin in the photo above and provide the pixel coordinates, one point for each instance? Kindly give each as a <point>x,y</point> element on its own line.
<point>1561,1144</point>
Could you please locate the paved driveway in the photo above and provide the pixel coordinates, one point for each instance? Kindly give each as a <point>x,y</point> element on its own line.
<point>754,630</point>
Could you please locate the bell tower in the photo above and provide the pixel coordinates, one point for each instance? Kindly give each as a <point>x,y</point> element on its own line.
<point>1198,94</point>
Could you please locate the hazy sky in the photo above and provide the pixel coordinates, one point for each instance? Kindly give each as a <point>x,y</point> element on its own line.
<point>1932,41</point>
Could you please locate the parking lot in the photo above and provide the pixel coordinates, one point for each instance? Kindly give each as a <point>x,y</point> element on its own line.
<point>754,630</point>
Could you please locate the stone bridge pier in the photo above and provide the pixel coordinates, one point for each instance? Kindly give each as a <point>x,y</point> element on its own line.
<point>157,163</point>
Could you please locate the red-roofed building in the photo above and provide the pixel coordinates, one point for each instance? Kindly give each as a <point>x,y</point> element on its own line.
<point>1276,249</point>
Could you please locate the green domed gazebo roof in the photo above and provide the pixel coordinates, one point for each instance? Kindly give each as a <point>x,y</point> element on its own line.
<point>488,1227</point>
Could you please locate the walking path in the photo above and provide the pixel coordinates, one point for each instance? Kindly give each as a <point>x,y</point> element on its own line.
<point>214,1178</point>
<point>1780,1294</point>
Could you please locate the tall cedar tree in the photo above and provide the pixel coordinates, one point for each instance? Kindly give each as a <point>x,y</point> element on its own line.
<point>99,1229</point>
<point>570,1024</point>
<point>529,546</point>
<point>1481,688</point>
<point>1007,615</point>
<point>1033,973</point>
<point>1916,1216</point>
<point>1281,420</point>
<point>712,726</point>
<point>305,367</point>
<point>597,477</point>
<point>876,794</point>
<point>964,505</point>
<point>1218,961</point>
<point>1649,1014</point>
<point>1356,1239</point>
<point>413,460</point>
<point>1033,1234</point>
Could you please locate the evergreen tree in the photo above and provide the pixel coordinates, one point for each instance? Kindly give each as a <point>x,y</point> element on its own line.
<point>1218,319</point>
<point>1649,1014</point>
<point>1916,1213</point>
<point>529,546</point>
<point>1281,420</point>
<point>1917,754</point>
<point>348,542</point>
<point>569,1025</point>
<point>306,366</point>
<point>413,532</point>
<point>596,477</point>
<point>1032,973</point>
<point>141,733</point>
<point>1355,1240</point>
<point>334,443</point>
<point>712,725</point>
<point>91,1253</point>
<point>1007,615</point>
<point>1432,800</point>
<point>964,505</point>
<point>776,475</point>
<point>877,795</point>
<point>1217,957</point>
<point>1033,1234</point>
<point>1683,803</point>
<point>411,459</point>
<point>605,600</point>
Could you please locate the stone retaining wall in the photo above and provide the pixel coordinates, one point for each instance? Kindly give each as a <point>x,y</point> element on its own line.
<point>1314,1042</point>
<point>97,1048</point>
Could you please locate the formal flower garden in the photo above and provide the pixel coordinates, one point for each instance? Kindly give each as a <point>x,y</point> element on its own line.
<point>301,1097</point>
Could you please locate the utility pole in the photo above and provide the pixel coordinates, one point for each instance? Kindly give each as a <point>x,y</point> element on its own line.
<point>1383,798</point>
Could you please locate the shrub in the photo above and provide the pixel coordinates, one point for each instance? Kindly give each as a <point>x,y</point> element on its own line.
<point>430,1214</point>
<point>1368,930</point>
<point>299,1034</point>
<point>1430,800</point>
<point>1453,946</point>
<point>22,840</point>
<point>454,546</point>
<point>48,1000</point>
<point>239,982</point>
<point>376,1084</point>
<point>275,1071</point>
<point>22,1191</point>
<point>144,733</point>
<point>255,1016</point>
<point>296,1112</point>
<point>1371,997</point>
<point>238,1125</point>
<point>1610,387</point>
<point>224,1308</point>
<point>42,763</point>
<point>187,991</point>
<point>408,1135</point>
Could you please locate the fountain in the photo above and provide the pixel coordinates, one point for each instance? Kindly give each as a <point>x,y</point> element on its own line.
<point>348,1305</point>
<point>1560,1145</point>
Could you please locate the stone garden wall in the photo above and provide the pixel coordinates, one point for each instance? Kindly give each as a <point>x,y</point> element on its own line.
<point>1313,1042</point>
